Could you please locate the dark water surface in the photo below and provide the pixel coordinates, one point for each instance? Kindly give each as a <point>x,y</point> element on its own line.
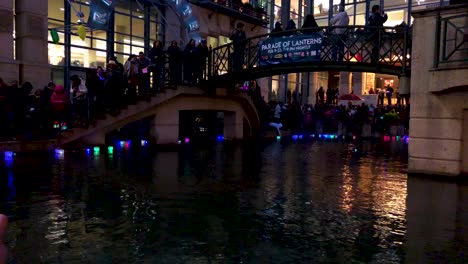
<point>315,202</point>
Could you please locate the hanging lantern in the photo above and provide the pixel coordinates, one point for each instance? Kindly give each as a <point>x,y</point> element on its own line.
<point>55,36</point>
<point>81,32</point>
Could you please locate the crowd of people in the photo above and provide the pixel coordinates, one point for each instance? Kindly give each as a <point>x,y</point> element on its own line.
<point>339,119</point>
<point>29,113</point>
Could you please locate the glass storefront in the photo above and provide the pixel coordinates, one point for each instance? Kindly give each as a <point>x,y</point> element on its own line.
<point>128,35</point>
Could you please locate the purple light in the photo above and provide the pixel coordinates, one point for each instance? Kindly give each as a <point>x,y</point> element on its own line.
<point>187,140</point>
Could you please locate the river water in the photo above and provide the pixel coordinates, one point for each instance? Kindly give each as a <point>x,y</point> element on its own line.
<point>277,202</point>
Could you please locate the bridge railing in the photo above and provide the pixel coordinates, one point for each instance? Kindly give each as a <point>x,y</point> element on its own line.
<point>451,41</point>
<point>388,46</point>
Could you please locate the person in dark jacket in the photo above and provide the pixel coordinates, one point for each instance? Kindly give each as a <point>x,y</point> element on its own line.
<point>175,63</point>
<point>202,53</point>
<point>238,38</point>
<point>158,60</point>
<point>375,22</point>
<point>310,25</point>
<point>277,29</point>
<point>190,62</point>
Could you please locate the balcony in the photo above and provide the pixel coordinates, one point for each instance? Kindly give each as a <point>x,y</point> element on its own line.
<point>237,9</point>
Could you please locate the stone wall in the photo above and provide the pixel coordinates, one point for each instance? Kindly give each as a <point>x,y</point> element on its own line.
<point>439,97</point>
<point>31,60</point>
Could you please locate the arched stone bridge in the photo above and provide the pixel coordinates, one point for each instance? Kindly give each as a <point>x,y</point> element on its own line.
<point>358,49</point>
<point>240,117</point>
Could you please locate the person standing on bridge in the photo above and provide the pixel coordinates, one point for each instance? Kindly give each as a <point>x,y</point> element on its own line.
<point>310,25</point>
<point>339,21</point>
<point>238,38</point>
<point>376,21</point>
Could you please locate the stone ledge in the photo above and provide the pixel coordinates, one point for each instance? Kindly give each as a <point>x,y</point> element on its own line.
<point>28,146</point>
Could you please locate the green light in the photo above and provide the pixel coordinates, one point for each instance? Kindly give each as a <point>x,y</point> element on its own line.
<point>96,150</point>
<point>110,149</point>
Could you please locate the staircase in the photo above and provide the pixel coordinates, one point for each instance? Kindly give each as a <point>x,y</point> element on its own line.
<point>127,115</point>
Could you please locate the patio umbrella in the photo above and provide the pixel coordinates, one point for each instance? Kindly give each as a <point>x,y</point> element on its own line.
<point>350,97</point>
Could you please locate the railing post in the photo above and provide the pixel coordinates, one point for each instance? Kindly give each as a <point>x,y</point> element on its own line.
<point>248,54</point>
<point>444,42</point>
<point>405,49</point>
<point>437,42</point>
<point>210,66</point>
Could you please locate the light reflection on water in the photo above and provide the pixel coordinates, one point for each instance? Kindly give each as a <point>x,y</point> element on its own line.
<point>273,203</point>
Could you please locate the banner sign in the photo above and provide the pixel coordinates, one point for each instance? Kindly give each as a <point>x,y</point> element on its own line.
<point>295,48</point>
<point>100,13</point>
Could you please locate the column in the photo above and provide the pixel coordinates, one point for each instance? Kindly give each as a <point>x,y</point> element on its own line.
<point>8,68</point>
<point>233,125</point>
<point>345,85</point>
<point>442,203</point>
<point>313,86</point>
<point>165,128</point>
<point>31,41</point>
<point>357,83</point>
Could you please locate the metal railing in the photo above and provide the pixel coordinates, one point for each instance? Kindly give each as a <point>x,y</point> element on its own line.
<point>384,46</point>
<point>451,41</point>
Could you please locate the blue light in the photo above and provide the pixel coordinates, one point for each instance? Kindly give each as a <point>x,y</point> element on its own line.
<point>294,137</point>
<point>220,138</point>
<point>88,151</point>
<point>320,135</point>
<point>9,154</point>
<point>122,143</point>
<point>144,142</point>
<point>300,136</point>
<point>278,137</point>
<point>59,153</point>
<point>355,150</point>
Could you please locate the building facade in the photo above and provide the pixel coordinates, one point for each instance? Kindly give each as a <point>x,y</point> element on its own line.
<point>30,54</point>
